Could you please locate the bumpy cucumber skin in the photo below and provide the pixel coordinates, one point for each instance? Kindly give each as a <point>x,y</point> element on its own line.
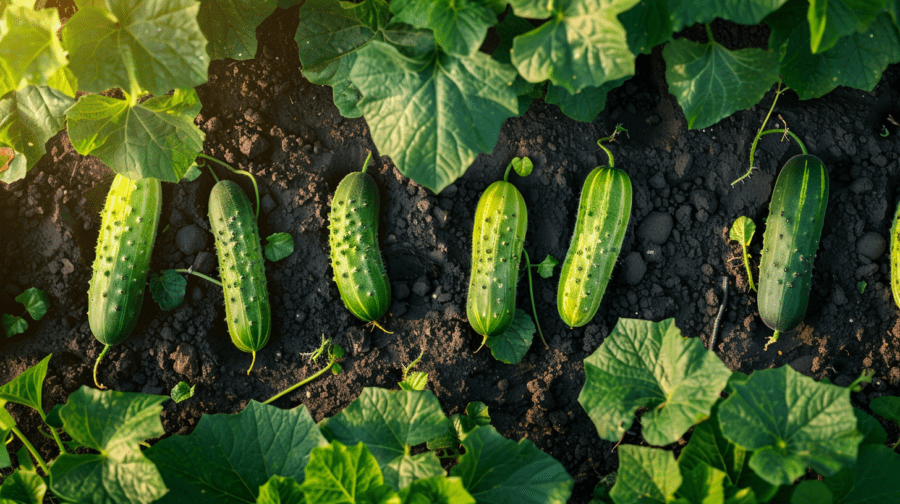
<point>603,213</point>
<point>500,223</point>
<point>793,229</point>
<point>355,255</point>
<point>895,256</point>
<point>241,267</point>
<point>127,232</point>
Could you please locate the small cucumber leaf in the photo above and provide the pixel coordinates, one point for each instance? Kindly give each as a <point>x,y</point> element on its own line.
<point>230,26</point>
<point>279,246</point>
<point>581,45</point>
<point>30,51</point>
<point>26,388</point>
<point>13,325</point>
<point>873,480</point>
<point>436,490</point>
<point>336,471</point>
<point>791,422</point>
<point>523,166</point>
<point>861,286</point>
<point>645,475</point>
<point>830,20</point>
<point>495,469</point>
<point>103,45</point>
<point>406,418</point>
<point>35,301</point>
<point>167,289</point>
<point>28,118</point>
<point>545,268</point>
<point>887,407</point>
<point>112,423</point>
<point>471,97</point>
<point>182,392</point>
<point>511,346</point>
<point>478,413</point>
<point>240,453</point>
<point>459,27</point>
<point>811,491</point>
<point>415,380</point>
<point>647,25</point>
<point>584,105</point>
<point>742,230</point>
<point>24,486</point>
<point>281,490</point>
<point>649,364</point>
<point>156,138</point>
<point>738,79</point>
<point>192,173</point>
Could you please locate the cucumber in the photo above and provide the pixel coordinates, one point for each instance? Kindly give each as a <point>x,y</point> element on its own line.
<point>895,256</point>
<point>355,255</point>
<point>500,223</point>
<point>793,229</point>
<point>247,309</point>
<point>603,213</point>
<point>127,232</point>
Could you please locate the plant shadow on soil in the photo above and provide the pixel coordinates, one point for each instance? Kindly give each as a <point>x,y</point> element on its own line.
<point>261,115</point>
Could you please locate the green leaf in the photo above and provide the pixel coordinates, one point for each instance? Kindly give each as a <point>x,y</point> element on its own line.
<point>467,99</point>
<point>584,105</point>
<point>113,423</point>
<point>498,470</point>
<point>240,453</point>
<point>811,491</point>
<point>28,118</point>
<point>478,413</point>
<point>647,25</point>
<point>156,138</point>
<point>389,423</point>
<point>53,419</point>
<point>279,246</point>
<point>192,173</point>
<point>512,345</point>
<point>35,301</point>
<point>64,80</point>
<point>137,37</point>
<point>338,474</point>
<point>583,44</point>
<point>167,289</point>
<point>649,364</point>
<point>872,481</point>
<point>829,20</point>
<point>15,169</point>
<point>24,486</point>
<point>742,230</point>
<point>791,422</point>
<point>703,484</point>
<point>646,475</point>
<point>459,27</point>
<point>711,82</point>
<point>709,447</point>
<point>856,60</point>
<point>230,26</point>
<point>861,286</point>
<point>13,325</point>
<point>182,392</point>
<point>870,428</point>
<point>436,490</point>
<point>887,407</point>
<point>30,51</point>
<point>415,380</point>
<point>281,490</point>
<point>25,389</point>
<point>749,12</point>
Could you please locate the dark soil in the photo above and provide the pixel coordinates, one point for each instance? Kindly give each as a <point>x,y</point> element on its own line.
<point>262,116</point>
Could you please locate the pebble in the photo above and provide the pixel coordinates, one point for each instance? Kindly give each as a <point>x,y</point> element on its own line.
<point>268,204</point>
<point>421,288</point>
<point>634,268</point>
<point>865,271</point>
<point>191,239</point>
<point>401,290</point>
<point>658,181</point>
<point>838,297</point>
<point>655,228</point>
<point>871,245</point>
<point>704,200</point>
<point>67,266</point>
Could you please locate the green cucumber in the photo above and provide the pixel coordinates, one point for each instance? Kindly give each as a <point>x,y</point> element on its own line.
<point>247,309</point>
<point>793,230</point>
<point>895,256</point>
<point>355,255</point>
<point>500,223</point>
<point>127,232</point>
<point>603,213</point>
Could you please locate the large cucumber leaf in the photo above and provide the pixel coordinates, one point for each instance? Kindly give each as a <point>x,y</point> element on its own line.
<point>28,118</point>
<point>830,20</point>
<point>30,51</point>
<point>230,26</point>
<point>459,27</point>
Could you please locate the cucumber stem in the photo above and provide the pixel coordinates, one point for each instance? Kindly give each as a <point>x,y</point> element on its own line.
<point>771,340</point>
<point>778,91</point>
<point>97,363</point>
<point>31,449</point>
<point>531,294</point>
<point>252,363</point>
<point>201,275</point>
<point>366,163</point>
<point>483,341</point>
<point>747,265</point>
<point>506,173</point>
<point>376,324</point>
<point>331,363</point>
<point>235,170</point>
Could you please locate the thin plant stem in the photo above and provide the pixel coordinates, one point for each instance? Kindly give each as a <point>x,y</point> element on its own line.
<point>292,388</point>
<point>97,363</point>
<point>366,163</point>
<point>747,265</point>
<point>30,447</point>
<point>252,363</point>
<point>242,172</point>
<point>506,173</point>
<point>531,294</point>
<point>778,91</point>
<point>59,443</point>
<point>772,339</point>
<point>201,275</point>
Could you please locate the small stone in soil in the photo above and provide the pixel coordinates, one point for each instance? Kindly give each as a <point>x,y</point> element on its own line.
<point>634,268</point>
<point>191,239</point>
<point>871,245</point>
<point>655,228</point>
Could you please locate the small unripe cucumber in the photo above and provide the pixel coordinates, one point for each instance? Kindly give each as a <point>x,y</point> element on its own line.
<point>603,214</point>
<point>241,267</point>
<point>127,232</point>
<point>793,229</point>
<point>355,255</point>
<point>500,223</point>
<point>895,256</point>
